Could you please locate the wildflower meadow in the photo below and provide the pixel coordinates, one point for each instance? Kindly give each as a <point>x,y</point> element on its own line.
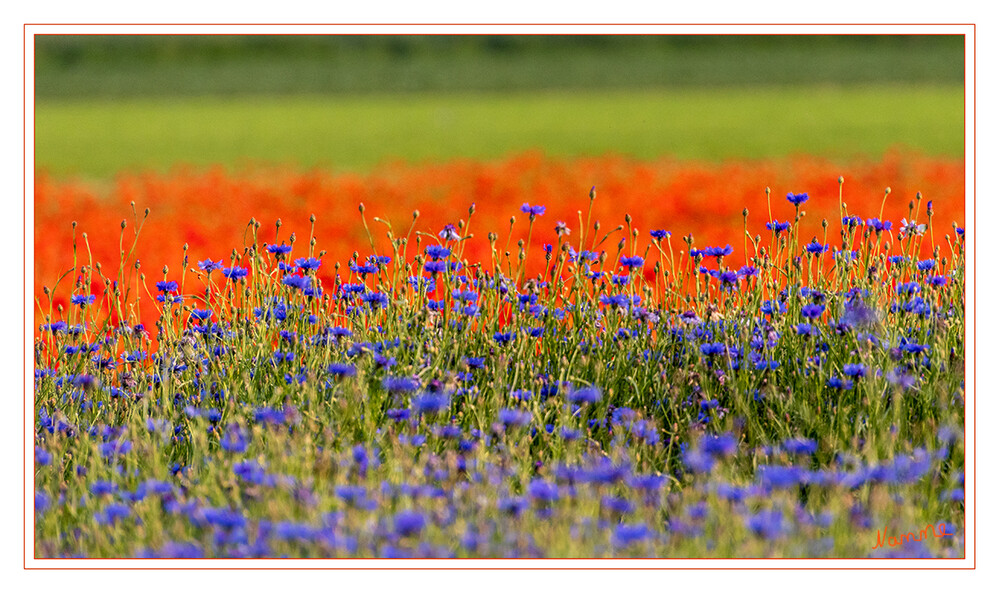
<point>521,358</point>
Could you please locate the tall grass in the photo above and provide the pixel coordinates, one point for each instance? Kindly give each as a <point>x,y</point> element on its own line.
<point>643,395</point>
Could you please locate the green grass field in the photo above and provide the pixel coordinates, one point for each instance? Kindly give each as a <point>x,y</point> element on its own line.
<point>96,138</point>
<point>116,66</point>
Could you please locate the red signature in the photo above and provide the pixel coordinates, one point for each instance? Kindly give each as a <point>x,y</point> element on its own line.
<point>883,538</point>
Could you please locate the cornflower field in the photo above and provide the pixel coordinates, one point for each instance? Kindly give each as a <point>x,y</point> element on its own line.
<point>523,358</point>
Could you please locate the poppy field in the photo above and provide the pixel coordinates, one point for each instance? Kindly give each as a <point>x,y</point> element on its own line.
<point>586,357</point>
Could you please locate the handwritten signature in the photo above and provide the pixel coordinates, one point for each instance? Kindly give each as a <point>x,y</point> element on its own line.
<point>883,539</point>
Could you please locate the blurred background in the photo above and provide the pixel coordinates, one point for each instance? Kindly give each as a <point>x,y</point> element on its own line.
<point>108,103</point>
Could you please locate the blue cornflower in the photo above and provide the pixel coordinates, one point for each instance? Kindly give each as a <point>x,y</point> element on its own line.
<point>900,378</point>
<point>777,476</point>
<point>201,314</point>
<point>375,299</point>
<point>797,199</point>
<point>569,434</point>
<point>910,348</point>
<point>879,225</point>
<point>583,256</point>
<point>719,445</point>
<point>521,395</point>
<point>114,449</point>
<point>728,278</point>
<point>585,395</point>
<point>54,327</point>
<point>338,369</point>
<point>235,272</point>
<point>352,495</point>
<point>42,457</point>
<point>938,280</point>
<point>464,295</point>
<point>697,460</point>
<point>511,417</point>
<point>224,518</point>
<point>435,267</point>
<point>626,534</point>
<point>430,403</point>
<point>281,249</point>
<point>716,252</point>
<point>384,362</point>
<point>632,262</point>
<point>856,313</point>
<point>42,502</point>
<point>956,495</point>
<point>409,522</point>
<point>616,504</point>
<point>363,270</point>
<point>503,338</point>
<point>235,440</point>
<point>82,299</point>
<point>400,384</point>
<point>647,482</point>
<point>771,307</point>
<point>542,491</point>
<point>767,365</point>
<point>425,283</point>
<point>659,234</point>
<point>769,524</point>
<point>816,248</point>
<point>712,349</point>
<point>800,446</point>
<point>854,370</point>
<point>926,265</point>
<point>112,513</point>
<point>103,488</point>
<point>291,531</point>
<point>839,383</point>
<point>812,311</point>
<point>618,300</point>
<point>210,266</point>
<point>513,506</point>
<point>299,282</point>
<point>532,210</point>
<point>852,221</point>
<point>778,227</point>
<point>308,263</point>
<point>436,252</point>
<point>167,286</point>
<point>339,332</point>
